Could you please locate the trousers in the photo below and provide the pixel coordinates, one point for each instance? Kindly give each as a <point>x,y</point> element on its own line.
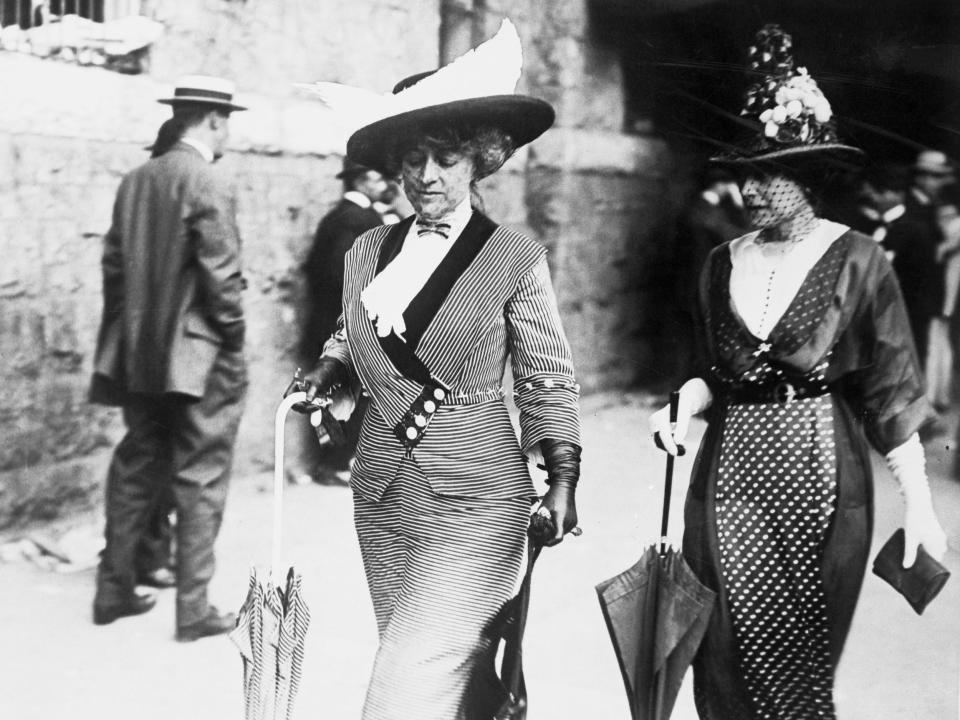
<point>172,447</point>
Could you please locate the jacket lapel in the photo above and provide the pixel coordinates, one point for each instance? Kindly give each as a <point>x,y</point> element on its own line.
<point>482,274</point>
<point>427,303</point>
<point>476,299</point>
<point>391,390</point>
<point>435,295</point>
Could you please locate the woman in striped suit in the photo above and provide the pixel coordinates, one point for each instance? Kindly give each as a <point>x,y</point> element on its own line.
<point>432,309</point>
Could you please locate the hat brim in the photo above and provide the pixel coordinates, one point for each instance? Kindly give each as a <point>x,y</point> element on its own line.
<point>522,117</point>
<point>350,174</point>
<point>192,100</point>
<point>935,171</point>
<point>819,153</point>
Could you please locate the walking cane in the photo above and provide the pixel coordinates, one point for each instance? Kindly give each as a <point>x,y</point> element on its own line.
<point>668,480</point>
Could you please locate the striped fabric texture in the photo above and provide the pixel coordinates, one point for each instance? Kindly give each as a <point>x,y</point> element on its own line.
<point>270,634</point>
<point>442,530</point>
<point>502,304</point>
<point>291,637</point>
<point>439,569</point>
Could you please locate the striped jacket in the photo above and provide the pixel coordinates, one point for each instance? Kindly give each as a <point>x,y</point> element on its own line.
<point>501,305</point>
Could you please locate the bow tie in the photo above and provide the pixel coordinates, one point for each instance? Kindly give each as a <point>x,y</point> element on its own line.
<point>439,228</point>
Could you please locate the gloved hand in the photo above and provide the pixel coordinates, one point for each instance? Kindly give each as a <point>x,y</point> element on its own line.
<point>327,374</point>
<point>921,527</point>
<point>562,462</point>
<point>695,397</point>
<point>920,523</point>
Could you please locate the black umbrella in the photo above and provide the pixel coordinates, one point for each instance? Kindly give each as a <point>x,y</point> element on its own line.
<point>503,695</point>
<point>657,613</point>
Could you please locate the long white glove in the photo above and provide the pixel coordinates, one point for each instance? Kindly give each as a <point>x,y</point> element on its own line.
<point>920,525</point>
<point>695,397</point>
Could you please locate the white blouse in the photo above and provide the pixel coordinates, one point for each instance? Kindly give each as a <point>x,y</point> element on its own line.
<point>765,277</point>
<point>389,293</point>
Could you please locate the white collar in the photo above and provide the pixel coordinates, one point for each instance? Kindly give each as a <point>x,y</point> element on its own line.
<point>824,231</point>
<point>887,216</point>
<point>389,293</point>
<point>921,196</point>
<point>357,198</point>
<point>457,218</point>
<point>711,196</point>
<point>894,213</point>
<point>200,147</point>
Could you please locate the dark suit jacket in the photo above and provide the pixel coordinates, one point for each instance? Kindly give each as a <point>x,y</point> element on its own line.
<point>914,239</point>
<point>171,283</point>
<point>324,270</point>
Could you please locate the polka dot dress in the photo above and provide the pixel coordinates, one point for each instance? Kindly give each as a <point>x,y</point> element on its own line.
<point>776,492</point>
<point>775,497</point>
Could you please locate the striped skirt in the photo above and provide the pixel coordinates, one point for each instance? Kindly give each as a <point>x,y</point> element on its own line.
<point>439,568</point>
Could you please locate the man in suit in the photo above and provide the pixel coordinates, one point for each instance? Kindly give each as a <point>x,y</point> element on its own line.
<point>880,201</point>
<point>914,238</point>
<point>170,353</point>
<point>350,218</point>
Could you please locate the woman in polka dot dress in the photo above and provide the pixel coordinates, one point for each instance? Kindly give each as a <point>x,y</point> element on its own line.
<point>812,362</point>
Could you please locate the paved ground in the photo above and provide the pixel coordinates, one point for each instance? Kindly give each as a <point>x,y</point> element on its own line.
<point>56,664</point>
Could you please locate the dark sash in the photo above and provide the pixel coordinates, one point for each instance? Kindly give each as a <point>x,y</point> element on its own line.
<point>427,302</point>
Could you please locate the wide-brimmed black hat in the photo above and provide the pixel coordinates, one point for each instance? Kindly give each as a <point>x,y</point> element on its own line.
<point>791,119</point>
<point>522,117</point>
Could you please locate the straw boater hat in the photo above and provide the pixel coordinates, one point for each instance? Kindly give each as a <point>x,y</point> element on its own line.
<point>933,162</point>
<point>476,89</point>
<point>793,119</point>
<point>203,90</point>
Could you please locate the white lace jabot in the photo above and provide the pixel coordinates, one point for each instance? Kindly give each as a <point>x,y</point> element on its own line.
<point>389,293</point>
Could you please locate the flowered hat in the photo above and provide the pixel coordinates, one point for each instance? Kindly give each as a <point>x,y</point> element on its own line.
<point>793,117</point>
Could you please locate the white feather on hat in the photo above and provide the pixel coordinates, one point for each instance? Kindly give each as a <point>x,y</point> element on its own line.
<point>492,68</point>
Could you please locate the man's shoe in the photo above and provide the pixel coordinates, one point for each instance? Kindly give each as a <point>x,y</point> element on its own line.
<point>160,578</point>
<point>215,623</point>
<point>136,605</point>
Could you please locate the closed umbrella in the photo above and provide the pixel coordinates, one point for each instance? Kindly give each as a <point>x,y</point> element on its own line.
<point>503,695</point>
<point>656,612</point>
<point>273,620</point>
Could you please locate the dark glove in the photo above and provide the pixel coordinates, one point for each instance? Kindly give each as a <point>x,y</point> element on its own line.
<point>562,462</point>
<point>326,375</point>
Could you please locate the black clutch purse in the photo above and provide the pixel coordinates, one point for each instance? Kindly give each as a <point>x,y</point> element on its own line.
<point>919,583</point>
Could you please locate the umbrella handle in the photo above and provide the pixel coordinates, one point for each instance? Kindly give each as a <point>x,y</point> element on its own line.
<point>668,480</point>
<point>278,480</point>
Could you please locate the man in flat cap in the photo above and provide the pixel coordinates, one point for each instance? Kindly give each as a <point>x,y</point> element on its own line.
<point>170,353</point>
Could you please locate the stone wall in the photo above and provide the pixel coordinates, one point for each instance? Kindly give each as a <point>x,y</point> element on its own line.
<point>603,201</point>
<point>68,134</point>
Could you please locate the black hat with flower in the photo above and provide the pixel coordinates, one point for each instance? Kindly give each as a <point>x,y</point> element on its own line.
<point>792,116</point>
